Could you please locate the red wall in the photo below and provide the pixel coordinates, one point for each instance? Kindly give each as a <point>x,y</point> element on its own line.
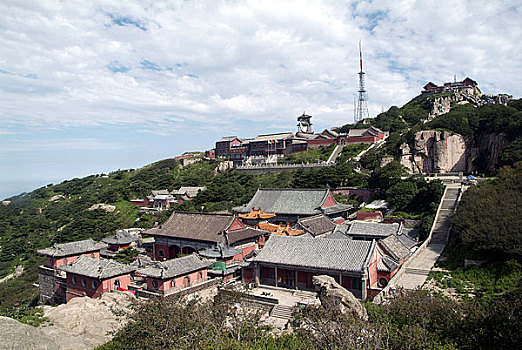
<point>177,282</point>
<point>55,262</point>
<point>329,202</point>
<point>248,275</point>
<point>101,286</point>
<point>236,225</point>
<point>372,268</point>
<point>157,248</point>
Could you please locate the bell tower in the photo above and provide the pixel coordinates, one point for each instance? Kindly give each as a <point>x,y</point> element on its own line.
<point>304,125</point>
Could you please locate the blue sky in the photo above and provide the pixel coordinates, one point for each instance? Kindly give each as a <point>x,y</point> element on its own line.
<point>90,87</point>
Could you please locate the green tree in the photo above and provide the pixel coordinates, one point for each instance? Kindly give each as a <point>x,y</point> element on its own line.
<point>402,194</point>
<point>488,217</point>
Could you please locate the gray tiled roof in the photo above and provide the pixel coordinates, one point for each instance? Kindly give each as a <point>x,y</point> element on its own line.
<point>236,236</point>
<point>317,224</point>
<point>160,193</point>
<point>387,264</point>
<point>394,247</point>
<point>189,191</point>
<point>72,248</point>
<point>175,267</point>
<point>329,254</point>
<point>197,226</point>
<point>121,237</point>
<point>286,201</point>
<point>373,229</point>
<point>337,208</point>
<point>220,250</point>
<point>337,235</point>
<point>97,268</point>
<point>409,237</point>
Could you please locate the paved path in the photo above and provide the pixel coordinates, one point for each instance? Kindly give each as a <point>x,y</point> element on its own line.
<point>418,269</point>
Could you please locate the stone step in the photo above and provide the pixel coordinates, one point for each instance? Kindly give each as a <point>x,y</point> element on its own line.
<point>282,311</point>
<point>417,271</point>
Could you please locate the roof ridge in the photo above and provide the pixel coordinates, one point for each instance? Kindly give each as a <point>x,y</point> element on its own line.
<point>293,189</point>
<point>202,213</point>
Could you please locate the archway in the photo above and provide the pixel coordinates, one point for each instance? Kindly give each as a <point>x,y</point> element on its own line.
<point>186,282</point>
<point>174,251</point>
<point>187,250</point>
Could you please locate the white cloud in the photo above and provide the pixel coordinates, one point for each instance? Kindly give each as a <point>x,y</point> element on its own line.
<point>221,62</point>
<point>90,144</point>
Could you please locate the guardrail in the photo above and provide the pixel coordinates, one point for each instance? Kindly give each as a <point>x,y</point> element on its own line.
<point>280,167</point>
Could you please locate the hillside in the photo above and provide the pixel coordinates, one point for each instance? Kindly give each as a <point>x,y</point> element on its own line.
<point>64,212</point>
<point>490,134</point>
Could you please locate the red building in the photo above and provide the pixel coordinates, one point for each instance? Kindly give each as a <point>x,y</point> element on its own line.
<point>52,281</point>
<point>291,204</point>
<point>370,135</point>
<point>224,145</point>
<point>159,199</point>
<point>291,262</point>
<point>92,277</point>
<point>186,233</point>
<point>121,240</point>
<point>362,267</point>
<point>369,216</point>
<point>165,277</point>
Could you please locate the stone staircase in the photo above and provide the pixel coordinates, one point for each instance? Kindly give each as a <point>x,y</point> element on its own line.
<point>417,270</point>
<point>337,150</point>
<point>282,311</point>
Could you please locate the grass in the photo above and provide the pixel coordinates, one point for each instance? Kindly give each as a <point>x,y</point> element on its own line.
<point>30,316</point>
<point>485,282</point>
<point>350,151</point>
<point>309,156</point>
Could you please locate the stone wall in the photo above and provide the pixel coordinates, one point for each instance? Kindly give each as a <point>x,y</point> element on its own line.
<point>47,285</point>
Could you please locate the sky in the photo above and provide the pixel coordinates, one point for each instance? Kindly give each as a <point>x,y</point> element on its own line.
<point>89,87</point>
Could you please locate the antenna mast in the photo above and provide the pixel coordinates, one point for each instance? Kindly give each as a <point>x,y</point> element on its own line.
<point>362,104</point>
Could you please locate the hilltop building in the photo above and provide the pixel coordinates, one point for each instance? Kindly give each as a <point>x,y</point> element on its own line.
<point>270,147</point>
<point>467,86</point>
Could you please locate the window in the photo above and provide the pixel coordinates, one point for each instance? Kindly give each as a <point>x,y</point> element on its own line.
<point>84,282</point>
<point>161,254</point>
<point>74,279</point>
<point>155,284</point>
<point>93,284</point>
<point>92,255</point>
<point>65,261</point>
<point>173,283</point>
<point>200,275</point>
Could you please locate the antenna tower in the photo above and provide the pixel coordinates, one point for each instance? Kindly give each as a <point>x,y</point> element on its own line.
<point>361,111</point>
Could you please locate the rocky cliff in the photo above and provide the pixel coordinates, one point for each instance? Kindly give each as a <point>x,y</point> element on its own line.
<point>433,151</point>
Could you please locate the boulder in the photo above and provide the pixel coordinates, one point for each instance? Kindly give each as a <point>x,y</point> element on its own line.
<point>329,290</point>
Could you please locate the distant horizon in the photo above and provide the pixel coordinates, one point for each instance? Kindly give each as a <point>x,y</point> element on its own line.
<point>87,87</point>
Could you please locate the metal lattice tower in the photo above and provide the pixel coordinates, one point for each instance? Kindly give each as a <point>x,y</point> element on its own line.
<point>361,112</point>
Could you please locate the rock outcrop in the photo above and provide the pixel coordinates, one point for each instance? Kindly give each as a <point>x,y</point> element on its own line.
<point>436,152</point>
<point>433,151</point>
<point>329,290</point>
<point>83,323</point>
